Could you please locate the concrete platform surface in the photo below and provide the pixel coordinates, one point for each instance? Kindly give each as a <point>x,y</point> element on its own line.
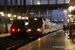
<point>54,41</point>
<point>5,34</point>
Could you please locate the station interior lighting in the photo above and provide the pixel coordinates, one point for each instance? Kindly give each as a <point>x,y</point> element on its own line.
<point>55,20</point>
<point>71,8</point>
<point>19,17</point>
<point>2,14</point>
<point>69,15</point>
<point>26,17</point>
<point>9,15</point>
<point>68,20</point>
<point>38,3</point>
<point>35,18</point>
<point>14,15</point>
<point>65,11</point>
<point>71,18</point>
<point>11,18</point>
<point>23,17</point>
<point>62,20</point>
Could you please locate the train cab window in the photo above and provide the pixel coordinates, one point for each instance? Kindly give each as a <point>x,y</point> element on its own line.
<point>35,22</point>
<point>18,23</point>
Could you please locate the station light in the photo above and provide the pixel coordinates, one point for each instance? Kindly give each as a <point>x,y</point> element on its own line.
<point>35,18</point>
<point>26,18</point>
<point>62,20</point>
<point>68,20</point>
<point>2,14</point>
<point>55,20</point>
<point>71,8</point>
<point>14,15</point>
<point>38,3</point>
<point>9,15</point>
<point>23,17</point>
<point>69,15</point>
<point>19,17</point>
<point>65,11</point>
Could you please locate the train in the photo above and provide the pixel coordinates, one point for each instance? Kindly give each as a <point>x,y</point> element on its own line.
<point>18,28</point>
<point>33,28</point>
<point>40,26</point>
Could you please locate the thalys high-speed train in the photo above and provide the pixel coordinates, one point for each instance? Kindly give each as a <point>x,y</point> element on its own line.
<point>40,26</point>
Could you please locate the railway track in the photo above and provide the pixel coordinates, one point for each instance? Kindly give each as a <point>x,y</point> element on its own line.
<point>7,43</point>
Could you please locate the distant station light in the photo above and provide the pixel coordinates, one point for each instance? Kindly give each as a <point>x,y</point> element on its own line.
<point>35,18</point>
<point>38,3</point>
<point>26,18</point>
<point>55,20</point>
<point>23,17</point>
<point>2,14</point>
<point>62,20</point>
<point>65,11</point>
<point>19,17</point>
<point>9,15</point>
<point>14,15</point>
<point>69,15</point>
<point>71,8</point>
<point>31,12</point>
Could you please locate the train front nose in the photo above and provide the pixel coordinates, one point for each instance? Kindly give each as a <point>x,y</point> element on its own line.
<point>34,32</point>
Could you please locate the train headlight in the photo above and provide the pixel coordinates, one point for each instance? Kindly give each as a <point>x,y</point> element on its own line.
<point>38,29</point>
<point>29,29</point>
<point>26,23</point>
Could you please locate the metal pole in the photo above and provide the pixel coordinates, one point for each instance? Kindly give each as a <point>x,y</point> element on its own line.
<point>39,12</point>
<point>24,8</point>
<point>64,1</point>
<point>16,10</point>
<point>21,8</point>
<point>56,1</point>
<point>6,28</point>
<point>11,10</point>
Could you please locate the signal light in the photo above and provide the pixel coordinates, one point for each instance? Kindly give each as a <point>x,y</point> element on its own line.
<point>13,30</point>
<point>18,29</point>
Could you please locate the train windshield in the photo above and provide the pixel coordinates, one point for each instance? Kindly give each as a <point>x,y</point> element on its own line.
<point>18,22</point>
<point>35,22</point>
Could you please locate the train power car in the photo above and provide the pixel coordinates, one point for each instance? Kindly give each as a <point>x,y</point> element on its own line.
<point>18,28</point>
<point>38,27</point>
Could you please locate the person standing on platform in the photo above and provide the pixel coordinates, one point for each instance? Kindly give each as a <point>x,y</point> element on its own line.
<point>64,28</point>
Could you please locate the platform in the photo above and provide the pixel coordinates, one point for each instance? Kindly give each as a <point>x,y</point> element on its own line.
<point>54,41</point>
<point>5,34</point>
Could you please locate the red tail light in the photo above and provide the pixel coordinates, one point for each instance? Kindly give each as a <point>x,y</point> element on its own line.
<point>13,30</point>
<point>18,29</point>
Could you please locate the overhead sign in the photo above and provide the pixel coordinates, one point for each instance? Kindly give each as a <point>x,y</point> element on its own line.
<point>31,12</point>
